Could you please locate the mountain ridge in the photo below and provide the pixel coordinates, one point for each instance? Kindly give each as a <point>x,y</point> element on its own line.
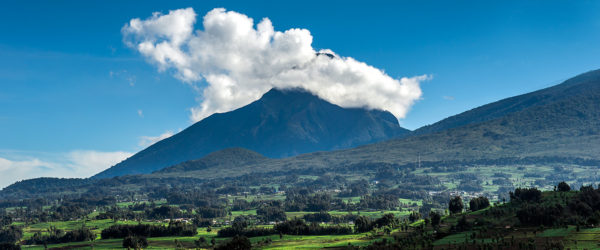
<point>512,104</point>
<point>563,123</point>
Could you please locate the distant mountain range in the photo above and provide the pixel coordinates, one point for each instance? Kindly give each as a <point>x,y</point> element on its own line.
<point>281,123</point>
<point>560,124</point>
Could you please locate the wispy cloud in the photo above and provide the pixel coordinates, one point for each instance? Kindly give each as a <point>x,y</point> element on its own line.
<point>448,98</point>
<point>16,166</point>
<point>123,75</point>
<point>240,61</point>
<point>146,141</point>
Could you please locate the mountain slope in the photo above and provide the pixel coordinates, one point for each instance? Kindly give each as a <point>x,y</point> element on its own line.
<point>567,89</point>
<point>281,123</point>
<point>560,124</point>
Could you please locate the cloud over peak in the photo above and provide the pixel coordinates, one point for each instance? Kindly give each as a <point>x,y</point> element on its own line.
<point>239,61</point>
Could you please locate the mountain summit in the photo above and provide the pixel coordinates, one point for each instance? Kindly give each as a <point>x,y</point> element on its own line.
<point>281,123</point>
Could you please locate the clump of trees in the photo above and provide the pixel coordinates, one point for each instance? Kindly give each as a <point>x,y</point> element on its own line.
<point>135,242</point>
<point>322,216</point>
<point>293,227</point>
<point>299,227</point>
<point>479,203</point>
<point>364,224</point>
<point>145,230</point>
<point>526,195</point>
<point>271,212</point>
<point>59,236</point>
<point>248,232</point>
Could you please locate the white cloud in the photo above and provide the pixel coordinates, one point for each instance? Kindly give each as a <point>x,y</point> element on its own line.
<point>81,163</point>
<point>240,61</point>
<point>146,141</point>
<point>140,113</point>
<point>123,75</point>
<point>87,162</point>
<point>448,98</point>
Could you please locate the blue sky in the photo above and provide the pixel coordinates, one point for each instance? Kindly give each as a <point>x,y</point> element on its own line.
<point>70,86</point>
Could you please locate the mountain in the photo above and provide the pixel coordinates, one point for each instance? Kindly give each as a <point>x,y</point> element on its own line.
<point>553,127</point>
<point>560,124</point>
<point>571,88</point>
<point>281,123</point>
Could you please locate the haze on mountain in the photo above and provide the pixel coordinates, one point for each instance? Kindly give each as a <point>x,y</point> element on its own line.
<point>281,123</point>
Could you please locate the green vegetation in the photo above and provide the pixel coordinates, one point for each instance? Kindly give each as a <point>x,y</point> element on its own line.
<point>522,222</point>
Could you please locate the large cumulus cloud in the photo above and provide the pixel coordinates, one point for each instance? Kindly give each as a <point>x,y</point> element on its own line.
<point>232,62</point>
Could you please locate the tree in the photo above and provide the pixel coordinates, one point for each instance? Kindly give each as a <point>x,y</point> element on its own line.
<point>362,224</point>
<point>455,205</point>
<point>563,187</point>
<point>239,223</point>
<point>135,242</point>
<point>435,218</point>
